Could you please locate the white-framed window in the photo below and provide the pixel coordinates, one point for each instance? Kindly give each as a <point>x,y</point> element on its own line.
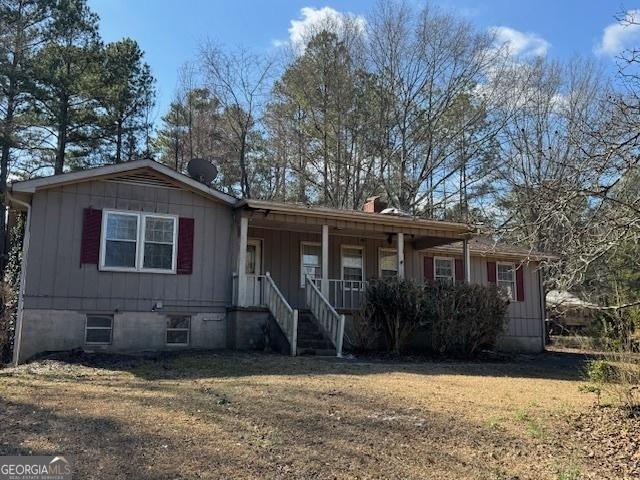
<point>310,261</point>
<point>120,240</point>
<point>443,269</point>
<point>178,329</point>
<point>98,329</point>
<point>506,278</point>
<point>138,242</point>
<point>352,264</point>
<point>387,263</point>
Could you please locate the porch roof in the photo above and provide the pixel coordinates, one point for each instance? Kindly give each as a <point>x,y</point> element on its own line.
<point>288,215</point>
<point>484,246</point>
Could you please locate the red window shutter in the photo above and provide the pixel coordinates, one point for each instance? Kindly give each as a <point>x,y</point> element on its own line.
<point>459,270</point>
<point>185,246</point>
<point>491,272</point>
<point>520,283</point>
<point>428,269</point>
<point>91,229</point>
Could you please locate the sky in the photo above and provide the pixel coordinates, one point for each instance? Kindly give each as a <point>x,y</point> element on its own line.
<point>171,31</point>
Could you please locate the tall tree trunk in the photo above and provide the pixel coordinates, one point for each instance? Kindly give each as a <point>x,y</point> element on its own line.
<point>7,143</point>
<point>244,177</point>
<point>8,140</point>
<point>63,123</point>
<point>302,181</point>
<point>119,142</point>
<point>325,155</point>
<point>190,127</point>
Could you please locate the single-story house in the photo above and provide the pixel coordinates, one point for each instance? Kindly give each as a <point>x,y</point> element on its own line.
<point>138,257</point>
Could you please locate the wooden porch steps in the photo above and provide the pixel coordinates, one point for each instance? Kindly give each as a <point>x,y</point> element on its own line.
<point>311,340</point>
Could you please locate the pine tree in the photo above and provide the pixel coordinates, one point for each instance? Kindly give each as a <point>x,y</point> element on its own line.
<point>127,91</point>
<point>20,33</point>
<point>67,75</point>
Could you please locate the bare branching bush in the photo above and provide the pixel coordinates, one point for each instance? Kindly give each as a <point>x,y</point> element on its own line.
<point>465,317</point>
<point>457,319</point>
<point>395,308</point>
<point>360,334</point>
<point>615,375</point>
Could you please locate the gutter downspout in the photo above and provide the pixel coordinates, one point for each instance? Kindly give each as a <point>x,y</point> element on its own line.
<point>23,277</point>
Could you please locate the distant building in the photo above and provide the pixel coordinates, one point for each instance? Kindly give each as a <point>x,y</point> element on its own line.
<point>568,311</point>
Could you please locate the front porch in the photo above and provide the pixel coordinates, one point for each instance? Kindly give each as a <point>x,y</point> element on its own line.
<point>292,257</point>
<point>343,295</point>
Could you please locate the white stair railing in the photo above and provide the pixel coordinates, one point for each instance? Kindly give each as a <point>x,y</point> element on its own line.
<point>254,291</point>
<point>286,316</point>
<point>347,294</point>
<point>331,321</point>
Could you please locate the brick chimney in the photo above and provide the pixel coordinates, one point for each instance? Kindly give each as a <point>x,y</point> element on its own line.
<point>374,205</point>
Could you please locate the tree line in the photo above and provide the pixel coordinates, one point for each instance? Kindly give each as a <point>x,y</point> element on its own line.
<point>415,104</point>
<point>67,100</point>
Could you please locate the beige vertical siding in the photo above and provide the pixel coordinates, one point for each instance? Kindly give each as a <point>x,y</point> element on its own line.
<point>56,280</point>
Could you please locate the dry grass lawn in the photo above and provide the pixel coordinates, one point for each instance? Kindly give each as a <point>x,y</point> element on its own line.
<point>267,416</point>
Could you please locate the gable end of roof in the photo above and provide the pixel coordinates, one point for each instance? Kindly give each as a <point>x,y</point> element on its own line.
<point>139,172</point>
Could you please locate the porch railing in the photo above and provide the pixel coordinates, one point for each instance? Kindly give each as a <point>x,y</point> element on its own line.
<point>325,314</point>
<point>347,294</point>
<point>286,316</point>
<point>254,293</point>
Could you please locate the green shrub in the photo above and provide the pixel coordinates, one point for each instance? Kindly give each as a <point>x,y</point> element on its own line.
<point>618,376</point>
<point>601,371</point>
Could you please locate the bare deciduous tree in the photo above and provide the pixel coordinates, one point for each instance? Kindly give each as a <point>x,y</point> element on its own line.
<point>240,81</point>
<point>439,82</point>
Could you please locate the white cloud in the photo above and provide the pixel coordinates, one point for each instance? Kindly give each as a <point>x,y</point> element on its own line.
<point>520,44</point>
<point>279,43</point>
<point>620,35</point>
<point>313,20</point>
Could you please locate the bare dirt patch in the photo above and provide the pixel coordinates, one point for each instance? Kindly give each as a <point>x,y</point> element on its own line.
<point>230,415</point>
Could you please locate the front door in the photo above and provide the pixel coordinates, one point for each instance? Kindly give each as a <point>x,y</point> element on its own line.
<point>253,271</point>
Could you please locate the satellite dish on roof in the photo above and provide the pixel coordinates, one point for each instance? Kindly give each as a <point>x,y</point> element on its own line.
<point>202,170</point>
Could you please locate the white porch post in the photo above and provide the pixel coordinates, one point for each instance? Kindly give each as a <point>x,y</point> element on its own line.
<point>467,260</point>
<point>242,262</point>
<point>324,286</point>
<point>400,255</point>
